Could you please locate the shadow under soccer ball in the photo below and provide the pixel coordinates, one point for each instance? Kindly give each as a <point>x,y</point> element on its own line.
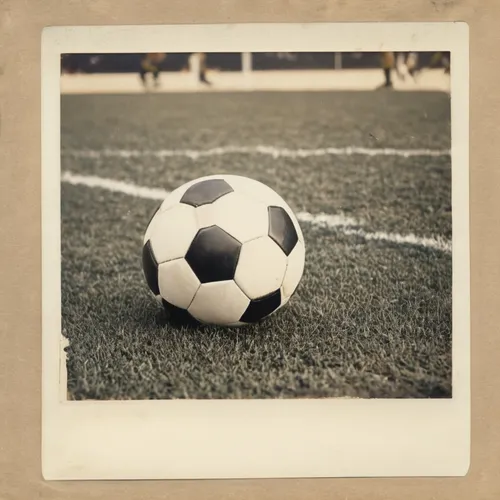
<point>178,318</point>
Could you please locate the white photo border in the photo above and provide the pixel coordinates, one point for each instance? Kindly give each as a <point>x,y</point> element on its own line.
<point>194,439</point>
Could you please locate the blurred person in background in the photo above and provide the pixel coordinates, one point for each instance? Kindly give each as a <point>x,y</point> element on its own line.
<point>203,69</point>
<point>411,63</point>
<point>439,58</point>
<point>150,63</point>
<point>407,64</point>
<point>388,63</point>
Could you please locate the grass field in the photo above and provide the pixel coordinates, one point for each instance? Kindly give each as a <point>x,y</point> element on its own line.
<point>372,316</point>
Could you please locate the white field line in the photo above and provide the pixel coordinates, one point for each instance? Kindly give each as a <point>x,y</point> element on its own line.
<point>272,151</point>
<point>346,224</point>
<point>409,239</point>
<point>116,186</point>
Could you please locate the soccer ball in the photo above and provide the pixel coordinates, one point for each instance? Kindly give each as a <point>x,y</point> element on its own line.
<point>225,249</point>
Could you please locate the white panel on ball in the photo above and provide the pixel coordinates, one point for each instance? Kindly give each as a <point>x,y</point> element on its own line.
<point>294,270</point>
<point>265,194</point>
<point>172,232</point>
<point>261,267</point>
<point>254,189</point>
<point>204,216</point>
<point>220,303</point>
<point>178,283</point>
<point>240,216</point>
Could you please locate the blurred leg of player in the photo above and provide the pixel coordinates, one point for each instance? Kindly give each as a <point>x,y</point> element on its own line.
<point>400,66</point>
<point>142,75</point>
<point>387,61</point>
<point>412,64</point>
<point>151,64</point>
<point>156,77</point>
<point>144,70</point>
<point>203,69</point>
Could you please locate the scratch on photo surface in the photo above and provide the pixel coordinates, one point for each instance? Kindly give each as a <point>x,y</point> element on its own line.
<point>63,372</point>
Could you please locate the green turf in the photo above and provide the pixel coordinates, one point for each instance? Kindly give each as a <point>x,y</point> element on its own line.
<point>370,319</point>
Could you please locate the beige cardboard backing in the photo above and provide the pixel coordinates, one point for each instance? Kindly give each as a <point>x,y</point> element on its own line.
<point>20,283</point>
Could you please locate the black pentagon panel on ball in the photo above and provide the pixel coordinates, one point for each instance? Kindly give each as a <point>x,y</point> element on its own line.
<point>213,255</point>
<point>150,268</point>
<point>261,307</point>
<point>282,230</point>
<point>205,192</point>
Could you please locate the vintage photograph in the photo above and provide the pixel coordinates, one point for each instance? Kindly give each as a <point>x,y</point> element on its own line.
<point>256,225</point>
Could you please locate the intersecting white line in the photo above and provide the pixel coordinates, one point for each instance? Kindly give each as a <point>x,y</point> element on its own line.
<point>274,152</point>
<point>347,225</point>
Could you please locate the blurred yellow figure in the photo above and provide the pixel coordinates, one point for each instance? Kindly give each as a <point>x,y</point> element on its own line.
<point>388,63</point>
<point>151,64</point>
